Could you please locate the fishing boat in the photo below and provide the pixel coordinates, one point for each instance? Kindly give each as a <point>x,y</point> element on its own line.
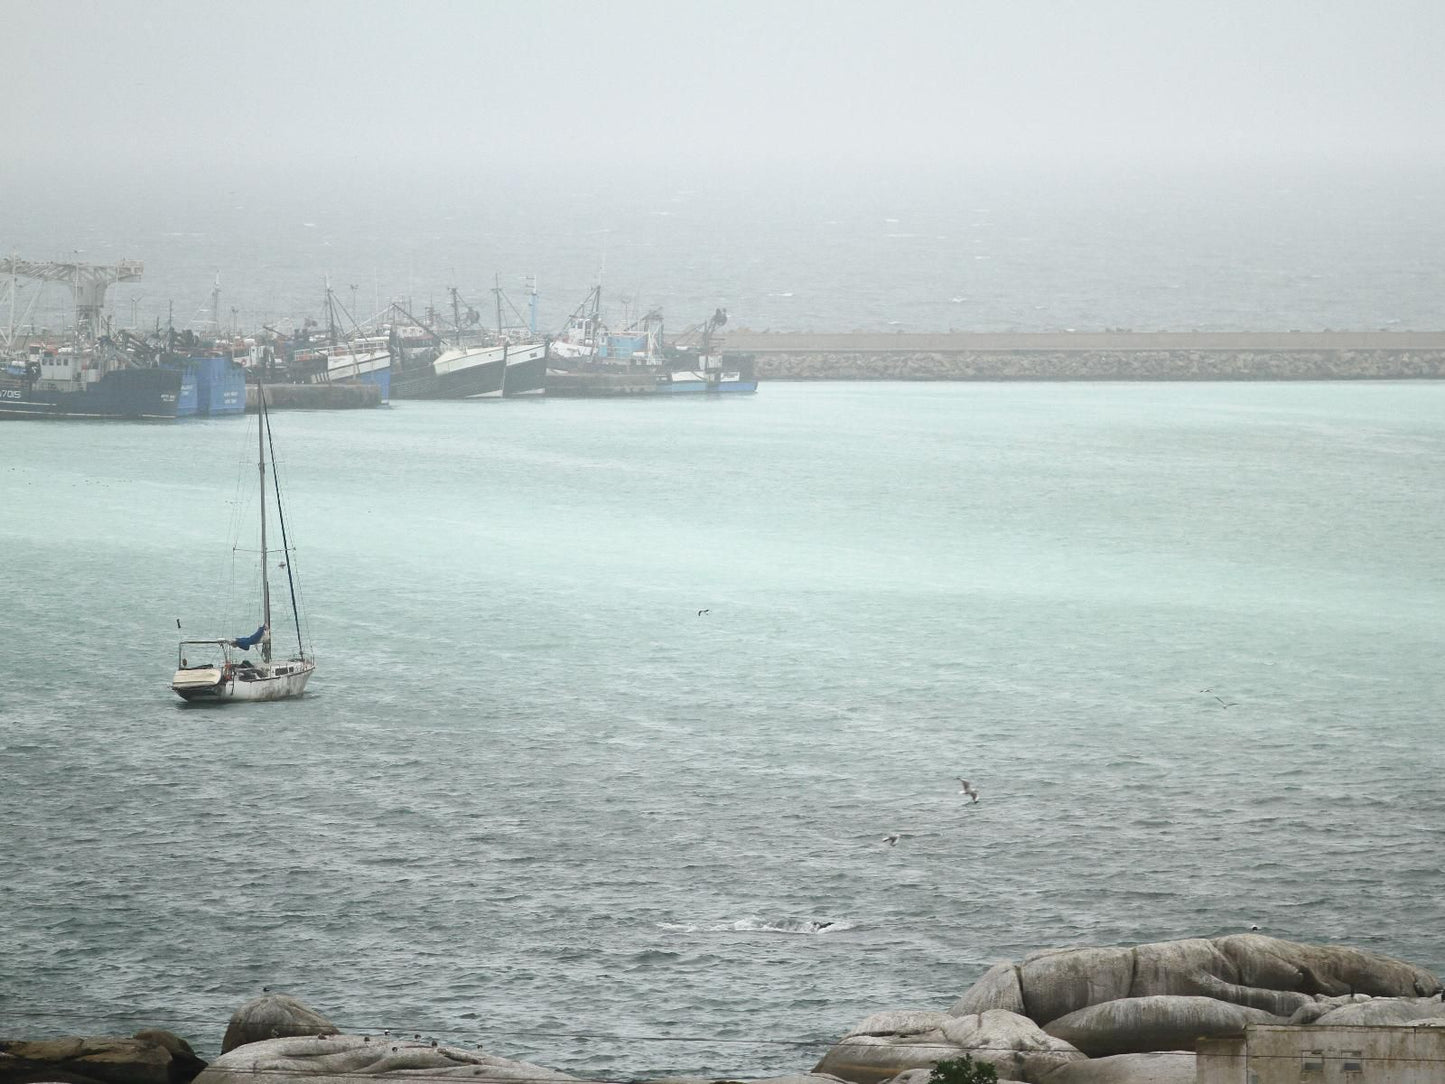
<point>225,669</point>
<point>65,382</point>
<point>588,361</point>
<point>470,361</point>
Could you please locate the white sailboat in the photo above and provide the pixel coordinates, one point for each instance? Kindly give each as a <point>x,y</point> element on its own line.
<point>226,672</point>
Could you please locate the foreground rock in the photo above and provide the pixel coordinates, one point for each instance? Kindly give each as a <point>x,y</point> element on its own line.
<point>184,1062</point>
<point>1136,1025</point>
<point>1385,1011</point>
<point>1160,1067</point>
<point>312,1059</point>
<point>1275,976</point>
<point>151,1057</point>
<point>889,1043</point>
<point>922,1076</point>
<point>273,1016</point>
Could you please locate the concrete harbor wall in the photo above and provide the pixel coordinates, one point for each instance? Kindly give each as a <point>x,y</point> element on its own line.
<point>315,396</point>
<point>1097,356</point>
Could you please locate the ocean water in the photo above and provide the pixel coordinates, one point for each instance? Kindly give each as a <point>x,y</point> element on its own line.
<point>535,800</point>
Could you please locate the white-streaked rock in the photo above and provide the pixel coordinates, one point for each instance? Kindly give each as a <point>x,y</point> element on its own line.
<point>340,1059</point>
<point>1059,981</point>
<point>1378,1011</point>
<point>1156,1067</point>
<point>888,1044</point>
<point>1197,967</point>
<point>1136,1025</point>
<point>921,1076</point>
<point>273,1016</point>
<point>1319,1005</point>
<point>998,988</point>
<point>1323,969</point>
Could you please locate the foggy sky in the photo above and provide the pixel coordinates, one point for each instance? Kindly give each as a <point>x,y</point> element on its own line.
<point>383,86</point>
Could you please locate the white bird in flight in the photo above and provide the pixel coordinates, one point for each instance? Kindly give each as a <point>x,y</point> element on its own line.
<point>968,788</point>
<point>892,840</point>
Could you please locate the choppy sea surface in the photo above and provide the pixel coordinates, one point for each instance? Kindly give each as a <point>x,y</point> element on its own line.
<point>1185,640</point>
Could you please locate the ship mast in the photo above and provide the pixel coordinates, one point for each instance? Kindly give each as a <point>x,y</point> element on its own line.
<point>261,467</point>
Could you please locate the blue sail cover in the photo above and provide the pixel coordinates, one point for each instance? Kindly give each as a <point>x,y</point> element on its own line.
<point>245,643</point>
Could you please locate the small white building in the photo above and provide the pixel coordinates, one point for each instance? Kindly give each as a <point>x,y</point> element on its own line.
<point>1328,1054</point>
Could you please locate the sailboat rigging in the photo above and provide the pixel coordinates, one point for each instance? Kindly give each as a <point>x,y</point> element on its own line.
<point>224,676</point>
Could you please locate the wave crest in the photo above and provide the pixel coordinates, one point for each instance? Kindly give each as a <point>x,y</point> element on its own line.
<point>761,925</point>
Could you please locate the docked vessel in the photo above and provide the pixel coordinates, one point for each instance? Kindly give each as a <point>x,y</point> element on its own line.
<point>64,382</point>
<point>223,669</point>
<point>332,357</point>
<point>589,361</point>
<point>210,386</point>
<point>468,362</point>
<point>365,360</point>
<point>88,375</point>
<point>474,372</point>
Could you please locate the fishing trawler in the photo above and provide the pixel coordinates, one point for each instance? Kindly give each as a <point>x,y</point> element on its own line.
<point>65,382</point>
<point>86,374</point>
<point>588,361</point>
<point>470,362</point>
<point>223,669</point>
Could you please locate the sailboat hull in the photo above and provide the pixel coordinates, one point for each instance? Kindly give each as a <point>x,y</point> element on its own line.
<point>281,682</point>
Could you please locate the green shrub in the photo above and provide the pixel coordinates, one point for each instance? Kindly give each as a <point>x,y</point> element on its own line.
<point>963,1070</point>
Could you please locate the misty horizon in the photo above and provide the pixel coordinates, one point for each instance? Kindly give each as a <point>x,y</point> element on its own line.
<point>444,86</point>
<point>1054,164</point>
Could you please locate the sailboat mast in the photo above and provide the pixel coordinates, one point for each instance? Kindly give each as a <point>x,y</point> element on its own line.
<point>261,467</point>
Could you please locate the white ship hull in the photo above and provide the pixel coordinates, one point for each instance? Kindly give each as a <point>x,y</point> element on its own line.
<point>278,681</point>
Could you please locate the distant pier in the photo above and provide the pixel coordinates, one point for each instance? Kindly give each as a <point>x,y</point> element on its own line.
<point>1106,355</point>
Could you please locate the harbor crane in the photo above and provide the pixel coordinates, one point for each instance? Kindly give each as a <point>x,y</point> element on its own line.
<point>87,281</point>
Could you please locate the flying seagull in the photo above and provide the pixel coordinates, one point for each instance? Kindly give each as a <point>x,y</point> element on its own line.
<point>892,840</point>
<point>1216,696</point>
<point>968,788</point>
<point>701,612</point>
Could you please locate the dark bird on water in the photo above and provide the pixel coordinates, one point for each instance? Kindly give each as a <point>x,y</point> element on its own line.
<point>968,788</point>
<point>701,612</point>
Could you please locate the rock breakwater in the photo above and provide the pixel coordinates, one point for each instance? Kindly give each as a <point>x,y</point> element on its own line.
<point>1107,365</point>
<point>1117,355</point>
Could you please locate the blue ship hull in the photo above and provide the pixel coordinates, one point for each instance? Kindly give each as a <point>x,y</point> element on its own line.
<point>210,387</point>
<point>381,378</point>
<point>121,393</point>
<point>188,401</point>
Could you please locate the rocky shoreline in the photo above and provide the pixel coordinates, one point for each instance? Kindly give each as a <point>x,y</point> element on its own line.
<point>1105,1015</point>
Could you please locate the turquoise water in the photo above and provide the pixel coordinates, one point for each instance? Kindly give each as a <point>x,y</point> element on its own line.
<point>535,800</point>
